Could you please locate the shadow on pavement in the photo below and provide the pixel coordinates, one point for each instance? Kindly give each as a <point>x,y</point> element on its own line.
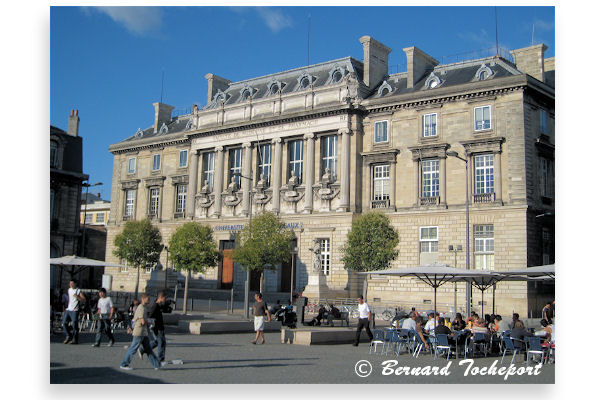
<point>97,375</point>
<point>246,360</point>
<point>170,344</point>
<point>260,365</point>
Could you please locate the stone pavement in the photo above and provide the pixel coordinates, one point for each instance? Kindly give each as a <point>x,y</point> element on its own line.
<point>231,358</point>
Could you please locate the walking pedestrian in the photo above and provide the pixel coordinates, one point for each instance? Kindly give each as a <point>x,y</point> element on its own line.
<point>156,313</point>
<point>105,313</point>
<point>140,336</point>
<point>72,313</point>
<point>260,309</point>
<point>364,319</point>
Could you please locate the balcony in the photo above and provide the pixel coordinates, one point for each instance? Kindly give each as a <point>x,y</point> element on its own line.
<point>429,201</point>
<point>484,198</point>
<point>380,203</point>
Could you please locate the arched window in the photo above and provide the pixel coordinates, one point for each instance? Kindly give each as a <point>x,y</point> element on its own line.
<point>337,76</point>
<point>304,82</point>
<point>274,89</point>
<point>246,95</point>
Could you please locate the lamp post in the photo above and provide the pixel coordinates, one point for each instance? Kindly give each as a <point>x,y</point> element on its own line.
<point>86,186</point>
<point>455,249</point>
<point>166,266</point>
<point>247,285</point>
<point>468,264</point>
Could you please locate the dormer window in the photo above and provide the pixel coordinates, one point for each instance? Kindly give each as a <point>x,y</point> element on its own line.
<point>336,74</point>
<point>433,81</point>
<point>139,133</point>
<point>304,82</point>
<point>219,97</point>
<point>483,73</point>
<point>384,89</point>
<point>274,87</point>
<point>246,95</point>
<point>163,129</point>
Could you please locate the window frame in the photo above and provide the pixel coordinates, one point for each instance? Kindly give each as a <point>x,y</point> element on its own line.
<point>545,178</point>
<point>295,146</point>
<point>208,160</point>
<point>180,198</point>
<point>434,188</point>
<point>329,156</point>
<point>265,161</point>
<point>424,129</point>
<point>385,123</point>
<point>488,178</point>
<point>154,201</point>
<point>154,162</point>
<point>481,246</point>
<point>234,167</point>
<point>181,152</point>
<point>429,241</point>
<point>325,255</point>
<point>484,127</point>
<point>129,170</point>
<point>129,206</point>
<point>89,216</point>
<point>382,168</point>
<point>543,121</point>
<point>102,219</point>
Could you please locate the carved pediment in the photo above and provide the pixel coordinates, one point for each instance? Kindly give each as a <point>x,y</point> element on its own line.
<point>429,151</point>
<point>155,181</point>
<point>133,184</point>
<point>180,179</point>
<point>493,145</point>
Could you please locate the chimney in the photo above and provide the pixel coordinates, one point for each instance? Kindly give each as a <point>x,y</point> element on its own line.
<point>418,64</point>
<point>162,114</point>
<point>375,61</point>
<point>214,84</point>
<point>73,128</point>
<point>530,60</point>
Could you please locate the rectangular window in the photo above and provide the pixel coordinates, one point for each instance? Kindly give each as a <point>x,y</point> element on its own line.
<point>123,267</point>
<point>156,162</point>
<point>183,158</point>
<point>381,131</point>
<point>100,218</point>
<point>88,218</point>
<point>545,179</point>
<point>129,202</point>
<point>131,165</point>
<point>429,239</point>
<point>325,256</point>
<point>329,152</point>
<point>381,182</point>
<point>296,148</point>
<point>429,125</point>
<point>264,163</point>
<point>484,173</point>
<point>181,197</point>
<point>235,165</point>
<point>546,246</point>
<point>208,168</point>
<point>430,178</point>
<point>543,122</point>
<point>154,201</point>
<point>484,246</point>
<point>483,118</point>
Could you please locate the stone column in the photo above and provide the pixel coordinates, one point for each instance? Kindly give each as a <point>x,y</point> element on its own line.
<point>218,184</point>
<point>309,161</point>
<point>417,164</point>
<point>192,186</point>
<point>246,183</point>
<point>393,185</point>
<point>443,180</point>
<point>497,177</point>
<point>345,171</point>
<point>276,174</point>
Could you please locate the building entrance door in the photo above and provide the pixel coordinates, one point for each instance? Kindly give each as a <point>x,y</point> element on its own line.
<point>288,272</point>
<point>254,281</point>
<point>226,265</point>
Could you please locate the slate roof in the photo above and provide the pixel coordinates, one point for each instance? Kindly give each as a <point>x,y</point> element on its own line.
<point>176,125</point>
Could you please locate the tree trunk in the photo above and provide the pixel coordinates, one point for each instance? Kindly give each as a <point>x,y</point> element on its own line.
<point>137,282</point>
<point>185,291</point>
<point>262,282</point>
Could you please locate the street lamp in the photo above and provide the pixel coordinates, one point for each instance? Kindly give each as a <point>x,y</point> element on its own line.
<point>468,265</point>
<point>247,286</point>
<point>86,186</point>
<point>166,266</point>
<point>455,249</point>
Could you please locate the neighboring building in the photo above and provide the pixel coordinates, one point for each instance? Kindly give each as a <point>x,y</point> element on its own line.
<point>329,141</point>
<point>94,217</point>
<point>66,177</point>
<point>97,211</point>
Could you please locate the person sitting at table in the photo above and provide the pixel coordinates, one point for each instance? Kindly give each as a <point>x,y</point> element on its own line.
<point>458,324</point>
<point>410,322</point>
<point>479,326</point>
<point>419,330</point>
<point>545,332</point>
<point>470,318</point>
<point>501,325</point>
<point>519,333</point>
<point>515,318</point>
<point>430,324</point>
<point>442,329</point>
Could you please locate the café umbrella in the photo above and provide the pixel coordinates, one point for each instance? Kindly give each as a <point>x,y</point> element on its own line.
<point>75,261</point>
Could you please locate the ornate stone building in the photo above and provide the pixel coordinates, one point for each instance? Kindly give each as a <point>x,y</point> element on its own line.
<point>324,143</point>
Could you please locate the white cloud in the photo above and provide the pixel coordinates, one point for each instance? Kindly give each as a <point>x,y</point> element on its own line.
<point>274,19</point>
<point>137,20</point>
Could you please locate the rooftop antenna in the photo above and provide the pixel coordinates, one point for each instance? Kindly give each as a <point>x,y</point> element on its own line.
<point>496,14</point>
<point>162,84</point>
<point>308,43</point>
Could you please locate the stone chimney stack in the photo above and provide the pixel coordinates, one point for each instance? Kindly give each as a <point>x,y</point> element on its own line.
<point>73,128</point>
<point>375,61</point>
<point>418,64</point>
<point>214,84</point>
<point>530,60</point>
<point>162,114</point>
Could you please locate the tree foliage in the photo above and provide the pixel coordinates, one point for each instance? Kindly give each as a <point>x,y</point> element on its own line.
<point>140,244</point>
<point>192,248</point>
<point>371,243</point>
<point>264,242</point>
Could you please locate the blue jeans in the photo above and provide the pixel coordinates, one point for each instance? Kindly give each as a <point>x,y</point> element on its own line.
<point>104,326</point>
<point>161,342</point>
<point>73,316</point>
<point>135,344</point>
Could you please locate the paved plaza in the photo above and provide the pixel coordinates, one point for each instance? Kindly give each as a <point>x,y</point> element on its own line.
<point>231,358</point>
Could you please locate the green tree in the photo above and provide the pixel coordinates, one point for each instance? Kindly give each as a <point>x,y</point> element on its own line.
<point>140,245</point>
<point>193,249</point>
<point>264,242</point>
<point>371,243</point>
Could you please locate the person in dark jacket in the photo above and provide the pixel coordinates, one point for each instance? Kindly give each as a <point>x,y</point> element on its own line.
<point>519,333</point>
<point>458,324</point>
<point>156,313</point>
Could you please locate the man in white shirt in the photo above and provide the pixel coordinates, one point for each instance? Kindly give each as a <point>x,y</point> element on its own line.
<point>105,313</point>
<point>364,318</point>
<point>72,313</point>
<point>410,322</point>
<point>430,325</point>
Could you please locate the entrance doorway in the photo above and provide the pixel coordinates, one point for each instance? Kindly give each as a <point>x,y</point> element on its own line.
<point>254,281</point>
<point>288,272</point>
<point>226,265</point>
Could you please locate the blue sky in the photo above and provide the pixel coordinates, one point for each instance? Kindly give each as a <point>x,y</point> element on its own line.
<point>108,61</point>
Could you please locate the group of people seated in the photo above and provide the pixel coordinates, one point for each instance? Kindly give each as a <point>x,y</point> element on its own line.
<point>325,313</point>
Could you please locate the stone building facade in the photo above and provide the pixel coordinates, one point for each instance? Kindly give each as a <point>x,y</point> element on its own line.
<point>325,143</point>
